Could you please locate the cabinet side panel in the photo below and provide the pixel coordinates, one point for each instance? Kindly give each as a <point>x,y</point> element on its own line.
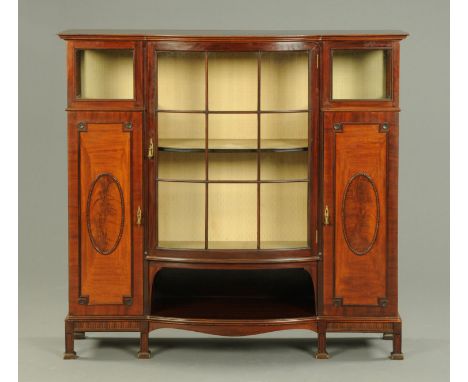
<point>360,217</point>
<point>105,249</point>
<point>105,159</point>
<point>360,194</point>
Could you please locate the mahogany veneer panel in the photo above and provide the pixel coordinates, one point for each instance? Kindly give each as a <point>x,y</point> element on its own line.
<point>360,221</point>
<point>105,193</point>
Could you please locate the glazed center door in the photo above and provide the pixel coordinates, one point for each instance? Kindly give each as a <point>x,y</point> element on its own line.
<point>232,137</point>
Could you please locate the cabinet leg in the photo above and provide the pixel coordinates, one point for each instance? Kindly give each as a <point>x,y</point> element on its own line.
<point>387,336</point>
<point>144,352</point>
<point>396,353</point>
<point>322,341</point>
<point>79,335</point>
<point>69,341</point>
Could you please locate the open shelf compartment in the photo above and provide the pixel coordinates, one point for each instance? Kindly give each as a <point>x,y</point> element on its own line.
<point>233,294</point>
<point>105,74</point>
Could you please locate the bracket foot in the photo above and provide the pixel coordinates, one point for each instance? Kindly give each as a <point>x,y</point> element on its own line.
<point>70,355</point>
<point>144,355</point>
<point>322,355</point>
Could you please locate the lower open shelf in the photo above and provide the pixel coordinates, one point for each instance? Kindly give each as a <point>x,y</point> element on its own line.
<point>233,294</point>
<point>231,308</point>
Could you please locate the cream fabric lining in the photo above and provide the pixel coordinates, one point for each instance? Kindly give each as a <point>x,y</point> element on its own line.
<point>191,126</point>
<point>232,215</point>
<point>359,74</point>
<point>284,82</point>
<point>232,208</point>
<point>181,212</point>
<point>232,81</point>
<point>106,74</point>
<point>233,166</point>
<point>181,81</point>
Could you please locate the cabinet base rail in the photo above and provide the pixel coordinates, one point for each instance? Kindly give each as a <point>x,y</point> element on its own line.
<point>76,327</point>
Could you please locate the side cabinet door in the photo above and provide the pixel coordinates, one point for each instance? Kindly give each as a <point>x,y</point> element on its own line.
<point>360,199</point>
<point>105,200</point>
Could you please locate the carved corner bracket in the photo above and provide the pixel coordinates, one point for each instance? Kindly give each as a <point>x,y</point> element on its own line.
<point>127,300</point>
<point>384,127</point>
<point>382,301</point>
<point>82,126</point>
<point>337,302</point>
<point>338,127</point>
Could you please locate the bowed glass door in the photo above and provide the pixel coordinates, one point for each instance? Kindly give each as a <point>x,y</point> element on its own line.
<point>232,150</point>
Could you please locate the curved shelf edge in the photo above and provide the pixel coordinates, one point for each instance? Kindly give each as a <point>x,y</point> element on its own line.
<point>233,328</point>
<point>232,145</point>
<point>240,257</point>
<point>230,150</point>
<point>233,261</point>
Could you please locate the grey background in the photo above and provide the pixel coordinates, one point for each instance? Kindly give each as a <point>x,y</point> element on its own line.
<point>179,356</point>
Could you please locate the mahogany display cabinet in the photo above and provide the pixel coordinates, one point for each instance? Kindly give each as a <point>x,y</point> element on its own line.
<point>233,183</point>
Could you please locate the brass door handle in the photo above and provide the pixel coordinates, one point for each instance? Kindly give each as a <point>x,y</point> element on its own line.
<point>139,215</point>
<point>151,149</point>
<point>326,216</point>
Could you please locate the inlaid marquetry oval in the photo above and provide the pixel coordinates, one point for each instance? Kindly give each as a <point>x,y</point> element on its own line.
<point>360,213</point>
<point>105,213</point>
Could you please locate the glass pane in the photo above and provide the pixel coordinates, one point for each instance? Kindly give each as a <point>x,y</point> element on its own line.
<point>283,165</point>
<point>181,131</point>
<point>283,215</point>
<point>105,74</point>
<point>181,165</point>
<point>232,166</point>
<point>181,215</point>
<point>181,80</point>
<point>360,74</point>
<point>284,130</point>
<point>232,81</point>
<point>232,131</point>
<point>232,216</point>
<point>285,81</point>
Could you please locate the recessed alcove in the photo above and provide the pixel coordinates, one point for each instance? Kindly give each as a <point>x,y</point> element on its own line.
<point>233,294</point>
<point>105,74</point>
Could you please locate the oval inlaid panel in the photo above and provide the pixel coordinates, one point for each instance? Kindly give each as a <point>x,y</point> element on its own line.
<point>360,213</point>
<point>105,213</point>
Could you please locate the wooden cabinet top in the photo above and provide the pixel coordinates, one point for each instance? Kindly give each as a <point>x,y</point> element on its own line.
<point>291,35</point>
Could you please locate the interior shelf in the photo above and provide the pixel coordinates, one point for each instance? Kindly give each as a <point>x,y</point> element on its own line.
<point>228,294</point>
<point>233,244</point>
<point>232,145</point>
